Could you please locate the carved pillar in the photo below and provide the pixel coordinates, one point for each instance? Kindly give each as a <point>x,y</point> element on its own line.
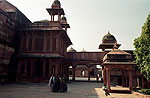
<point>104,75</point>
<point>108,77</point>
<point>19,68</point>
<point>73,73</point>
<point>142,81</point>
<point>33,41</point>
<point>50,68</point>
<point>51,42</point>
<point>27,41</point>
<point>32,68</point>
<point>26,68</point>
<point>57,67</point>
<point>67,75</point>
<point>44,68</point>
<point>89,73</point>
<point>45,41</point>
<point>123,77</point>
<point>130,79</point>
<point>57,43</point>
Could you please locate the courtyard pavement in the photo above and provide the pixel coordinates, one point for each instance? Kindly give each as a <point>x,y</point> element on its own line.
<point>41,90</point>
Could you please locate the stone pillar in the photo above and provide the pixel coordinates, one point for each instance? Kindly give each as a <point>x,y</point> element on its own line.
<point>44,68</point>
<point>32,68</point>
<point>59,17</point>
<point>33,41</point>
<point>57,43</point>
<point>57,67</point>
<point>108,77</point>
<point>123,78</point>
<point>27,41</point>
<point>88,73</point>
<point>19,68</point>
<point>142,81</point>
<point>67,75</point>
<point>51,17</point>
<point>51,42</point>
<point>45,41</point>
<point>26,68</point>
<point>73,73</point>
<point>104,76</point>
<point>130,79</point>
<point>50,68</point>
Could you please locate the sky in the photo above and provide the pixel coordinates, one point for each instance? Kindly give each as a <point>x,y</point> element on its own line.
<point>90,20</point>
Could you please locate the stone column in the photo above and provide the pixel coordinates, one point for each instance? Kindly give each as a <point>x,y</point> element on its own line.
<point>142,81</point>
<point>44,68</point>
<point>45,41</point>
<point>33,41</point>
<point>130,79</point>
<point>51,42</point>
<point>73,73</point>
<point>108,77</point>
<point>27,41</point>
<point>57,67</point>
<point>32,68</point>
<point>88,73</point>
<point>57,44</point>
<point>50,68</point>
<point>104,76</point>
<point>123,77</point>
<point>26,68</point>
<point>19,68</point>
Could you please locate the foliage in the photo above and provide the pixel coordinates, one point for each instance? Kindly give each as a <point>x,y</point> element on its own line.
<point>147,91</point>
<point>142,49</point>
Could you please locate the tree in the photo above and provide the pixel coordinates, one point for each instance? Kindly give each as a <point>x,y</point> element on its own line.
<point>142,49</point>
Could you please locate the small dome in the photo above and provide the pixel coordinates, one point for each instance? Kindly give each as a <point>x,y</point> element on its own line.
<point>63,19</point>
<point>108,38</point>
<point>56,4</point>
<point>71,50</point>
<point>83,50</point>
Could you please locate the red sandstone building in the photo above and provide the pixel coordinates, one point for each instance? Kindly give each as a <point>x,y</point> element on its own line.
<point>39,50</point>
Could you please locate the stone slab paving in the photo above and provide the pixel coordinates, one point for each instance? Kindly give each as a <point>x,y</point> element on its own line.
<point>41,90</point>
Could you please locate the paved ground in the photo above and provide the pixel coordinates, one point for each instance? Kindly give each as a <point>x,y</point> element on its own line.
<point>41,90</point>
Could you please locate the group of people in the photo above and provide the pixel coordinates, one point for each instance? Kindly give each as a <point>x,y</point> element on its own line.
<point>58,84</point>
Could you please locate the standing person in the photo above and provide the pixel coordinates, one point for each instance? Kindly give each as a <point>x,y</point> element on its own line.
<point>64,84</point>
<point>106,89</point>
<point>51,82</point>
<point>56,84</point>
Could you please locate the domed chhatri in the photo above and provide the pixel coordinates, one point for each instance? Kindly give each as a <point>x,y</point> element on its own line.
<point>56,4</point>
<point>108,42</point>
<point>63,20</point>
<point>71,50</point>
<point>108,38</point>
<point>83,50</point>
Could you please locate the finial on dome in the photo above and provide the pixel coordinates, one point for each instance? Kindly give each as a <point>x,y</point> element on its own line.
<point>108,32</point>
<point>83,50</point>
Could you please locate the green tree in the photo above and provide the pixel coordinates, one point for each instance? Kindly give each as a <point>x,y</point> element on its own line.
<point>142,49</point>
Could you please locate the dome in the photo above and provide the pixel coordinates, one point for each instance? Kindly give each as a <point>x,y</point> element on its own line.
<point>108,38</point>
<point>71,50</point>
<point>83,50</point>
<point>56,4</point>
<point>63,19</point>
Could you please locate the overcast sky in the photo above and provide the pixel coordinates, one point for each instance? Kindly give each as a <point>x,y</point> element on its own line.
<point>90,20</point>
